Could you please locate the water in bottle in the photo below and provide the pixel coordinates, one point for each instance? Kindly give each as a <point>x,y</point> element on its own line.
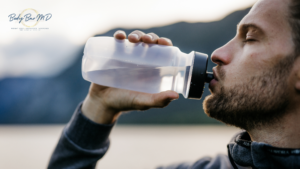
<point>143,67</point>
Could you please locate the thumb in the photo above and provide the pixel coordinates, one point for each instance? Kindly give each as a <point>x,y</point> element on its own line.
<point>158,100</point>
<point>167,95</point>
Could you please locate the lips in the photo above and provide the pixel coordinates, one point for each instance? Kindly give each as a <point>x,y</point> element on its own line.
<point>213,82</point>
<point>215,74</point>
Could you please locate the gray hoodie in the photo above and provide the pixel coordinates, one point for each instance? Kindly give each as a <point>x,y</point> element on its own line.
<point>84,142</point>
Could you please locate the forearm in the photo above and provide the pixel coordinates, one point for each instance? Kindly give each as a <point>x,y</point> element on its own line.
<point>81,144</point>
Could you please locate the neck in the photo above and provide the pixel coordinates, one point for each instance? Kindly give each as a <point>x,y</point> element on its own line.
<point>285,133</point>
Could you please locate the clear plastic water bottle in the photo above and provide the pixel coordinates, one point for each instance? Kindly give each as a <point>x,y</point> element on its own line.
<point>143,67</point>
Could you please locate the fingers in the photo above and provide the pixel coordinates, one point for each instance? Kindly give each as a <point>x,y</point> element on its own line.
<point>120,35</point>
<point>139,36</point>
<point>165,41</point>
<point>135,36</point>
<point>150,38</point>
<point>163,99</point>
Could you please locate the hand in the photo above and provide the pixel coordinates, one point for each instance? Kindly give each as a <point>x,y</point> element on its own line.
<point>104,104</point>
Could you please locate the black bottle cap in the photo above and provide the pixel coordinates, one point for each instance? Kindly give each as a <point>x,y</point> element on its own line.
<point>209,77</point>
<point>198,76</point>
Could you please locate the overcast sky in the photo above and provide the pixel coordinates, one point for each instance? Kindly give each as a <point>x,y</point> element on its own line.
<point>73,22</point>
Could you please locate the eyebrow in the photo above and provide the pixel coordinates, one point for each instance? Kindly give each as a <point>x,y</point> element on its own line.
<point>244,27</point>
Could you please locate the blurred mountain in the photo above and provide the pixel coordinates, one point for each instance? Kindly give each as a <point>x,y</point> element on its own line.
<point>46,55</point>
<point>53,100</point>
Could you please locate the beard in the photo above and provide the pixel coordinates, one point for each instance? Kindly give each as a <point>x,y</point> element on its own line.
<point>261,101</point>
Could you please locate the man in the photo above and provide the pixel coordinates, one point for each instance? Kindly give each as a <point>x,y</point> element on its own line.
<point>256,88</point>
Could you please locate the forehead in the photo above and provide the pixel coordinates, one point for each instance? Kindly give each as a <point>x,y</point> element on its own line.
<point>270,15</point>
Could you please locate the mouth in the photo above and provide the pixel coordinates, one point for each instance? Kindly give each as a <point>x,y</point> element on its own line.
<point>215,74</point>
<point>214,82</point>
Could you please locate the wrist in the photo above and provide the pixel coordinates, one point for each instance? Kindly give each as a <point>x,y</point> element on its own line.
<point>96,111</point>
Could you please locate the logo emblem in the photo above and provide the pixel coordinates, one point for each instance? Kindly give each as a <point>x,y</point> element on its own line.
<point>30,17</point>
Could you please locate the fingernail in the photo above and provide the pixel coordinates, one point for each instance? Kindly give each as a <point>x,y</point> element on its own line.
<point>169,41</point>
<point>150,36</point>
<point>120,32</point>
<point>135,36</point>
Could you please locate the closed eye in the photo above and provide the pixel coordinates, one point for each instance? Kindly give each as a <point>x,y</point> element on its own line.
<point>249,40</point>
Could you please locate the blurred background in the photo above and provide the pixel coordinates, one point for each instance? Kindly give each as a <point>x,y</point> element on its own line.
<point>40,69</point>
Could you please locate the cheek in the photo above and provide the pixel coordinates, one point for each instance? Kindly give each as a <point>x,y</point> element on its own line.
<point>256,61</point>
<point>257,58</point>
<point>243,68</point>
<point>257,55</point>
<point>253,60</point>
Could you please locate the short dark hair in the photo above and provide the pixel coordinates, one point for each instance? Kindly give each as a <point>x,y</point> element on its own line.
<point>294,20</point>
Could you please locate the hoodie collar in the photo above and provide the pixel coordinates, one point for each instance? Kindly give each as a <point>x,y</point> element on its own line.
<point>247,153</point>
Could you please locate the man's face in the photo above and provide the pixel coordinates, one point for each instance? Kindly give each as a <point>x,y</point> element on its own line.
<point>252,70</point>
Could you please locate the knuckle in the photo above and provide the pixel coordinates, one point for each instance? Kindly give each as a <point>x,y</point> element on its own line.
<point>153,34</point>
<point>138,32</point>
<point>137,105</point>
<point>167,40</point>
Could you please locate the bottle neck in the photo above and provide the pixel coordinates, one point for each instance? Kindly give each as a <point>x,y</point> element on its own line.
<point>183,63</point>
<point>184,59</point>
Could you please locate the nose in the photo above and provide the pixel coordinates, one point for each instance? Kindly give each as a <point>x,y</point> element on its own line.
<point>223,55</point>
